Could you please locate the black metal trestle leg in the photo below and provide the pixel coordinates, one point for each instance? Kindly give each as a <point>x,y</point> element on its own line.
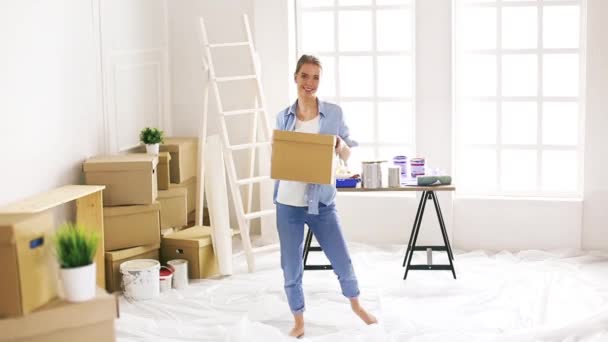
<point>412,247</point>
<point>308,248</point>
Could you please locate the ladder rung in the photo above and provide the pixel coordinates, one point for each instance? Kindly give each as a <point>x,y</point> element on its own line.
<point>243,111</point>
<point>246,146</point>
<point>235,78</point>
<point>252,180</point>
<point>228,44</point>
<point>257,214</point>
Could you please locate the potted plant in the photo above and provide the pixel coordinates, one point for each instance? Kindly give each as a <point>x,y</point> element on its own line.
<point>75,249</point>
<point>152,137</point>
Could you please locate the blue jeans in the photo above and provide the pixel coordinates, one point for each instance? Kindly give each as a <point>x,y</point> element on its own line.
<point>326,229</point>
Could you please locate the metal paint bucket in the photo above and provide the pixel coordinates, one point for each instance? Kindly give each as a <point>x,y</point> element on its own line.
<point>371,174</point>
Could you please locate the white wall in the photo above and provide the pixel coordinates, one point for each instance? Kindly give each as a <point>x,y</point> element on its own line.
<point>595,213</point>
<point>54,109</point>
<point>50,94</point>
<point>135,59</point>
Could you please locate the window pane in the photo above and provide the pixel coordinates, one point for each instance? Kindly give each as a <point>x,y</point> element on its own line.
<point>477,171</point>
<point>560,75</point>
<point>395,122</point>
<point>477,27</point>
<point>317,32</point>
<point>559,171</point>
<point>395,76</point>
<point>356,76</point>
<point>478,75</point>
<point>519,27</point>
<point>519,122</point>
<point>519,75</point>
<point>393,2</point>
<point>327,84</point>
<point>518,170</point>
<point>477,123</point>
<point>359,117</point>
<point>388,152</point>
<point>355,29</point>
<point>561,26</point>
<point>353,2</point>
<point>394,30</point>
<point>316,3</point>
<point>357,155</point>
<point>560,123</point>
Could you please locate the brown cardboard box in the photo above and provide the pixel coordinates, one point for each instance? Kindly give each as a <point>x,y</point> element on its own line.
<point>194,245</point>
<point>129,178</point>
<point>173,208</point>
<point>163,172</point>
<point>192,218</point>
<point>183,157</point>
<point>303,157</point>
<point>60,321</point>
<point>131,226</point>
<point>115,258</point>
<point>29,277</point>
<point>166,231</point>
<point>189,185</point>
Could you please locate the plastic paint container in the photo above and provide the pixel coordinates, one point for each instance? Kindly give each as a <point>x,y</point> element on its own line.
<point>417,167</point>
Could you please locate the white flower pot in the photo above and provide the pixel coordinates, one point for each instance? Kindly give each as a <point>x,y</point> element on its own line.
<point>152,149</point>
<point>79,283</point>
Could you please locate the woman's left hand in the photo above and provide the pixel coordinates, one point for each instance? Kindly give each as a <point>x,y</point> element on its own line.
<point>339,144</point>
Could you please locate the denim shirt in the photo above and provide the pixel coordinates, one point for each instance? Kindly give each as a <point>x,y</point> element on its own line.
<point>331,121</point>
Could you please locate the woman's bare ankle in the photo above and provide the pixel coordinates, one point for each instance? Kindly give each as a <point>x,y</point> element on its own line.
<point>298,326</point>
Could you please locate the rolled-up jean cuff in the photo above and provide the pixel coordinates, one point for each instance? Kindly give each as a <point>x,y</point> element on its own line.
<point>300,311</point>
<point>351,296</point>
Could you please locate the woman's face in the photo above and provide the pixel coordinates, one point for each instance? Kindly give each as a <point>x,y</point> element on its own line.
<point>307,80</point>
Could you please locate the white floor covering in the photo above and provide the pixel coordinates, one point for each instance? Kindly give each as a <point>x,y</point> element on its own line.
<point>525,296</point>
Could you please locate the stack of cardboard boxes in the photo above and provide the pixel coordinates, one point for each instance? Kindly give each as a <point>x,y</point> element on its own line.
<point>194,243</point>
<point>182,164</point>
<point>148,198</point>
<point>131,210</point>
<point>30,309</point>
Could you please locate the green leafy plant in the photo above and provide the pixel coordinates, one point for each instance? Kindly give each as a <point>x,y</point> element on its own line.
<point>151,136</point>
<point>75,246</point>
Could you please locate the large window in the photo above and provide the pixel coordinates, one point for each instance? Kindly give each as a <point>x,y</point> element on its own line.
<point>366,48</point>
<point>518,97</point>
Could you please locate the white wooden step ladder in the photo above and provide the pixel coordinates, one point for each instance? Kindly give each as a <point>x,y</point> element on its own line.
<point>243,209</point>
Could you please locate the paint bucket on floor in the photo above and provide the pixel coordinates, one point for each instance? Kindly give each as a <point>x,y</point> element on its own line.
<point>180,272</point>
<point>166,278</point>
<point>140,278</point>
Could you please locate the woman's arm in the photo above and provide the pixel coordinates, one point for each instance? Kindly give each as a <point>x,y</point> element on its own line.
<point>342,149</point>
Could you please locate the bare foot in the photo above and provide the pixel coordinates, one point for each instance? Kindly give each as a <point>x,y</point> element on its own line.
<point>365,316</point>
<point>297,332</point>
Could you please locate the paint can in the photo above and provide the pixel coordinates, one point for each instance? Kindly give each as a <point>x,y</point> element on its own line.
<point>394,177</point>
<point>140,279</point>
<point>180,272</point>
<point>166,278</point>
<point>417,167</point>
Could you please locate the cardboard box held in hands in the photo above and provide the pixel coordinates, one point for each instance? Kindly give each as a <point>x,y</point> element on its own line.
<point>303,157</point>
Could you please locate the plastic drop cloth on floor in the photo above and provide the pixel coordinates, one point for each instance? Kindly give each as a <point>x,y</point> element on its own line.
<point>506,297</point>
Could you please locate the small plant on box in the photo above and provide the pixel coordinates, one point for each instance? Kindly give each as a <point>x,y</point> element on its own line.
<point>75,249</point>
<point>152,138</point>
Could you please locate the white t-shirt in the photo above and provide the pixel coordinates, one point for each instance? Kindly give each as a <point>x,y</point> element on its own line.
<point>294,193</point>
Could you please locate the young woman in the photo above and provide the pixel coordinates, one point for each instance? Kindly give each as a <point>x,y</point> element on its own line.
<point>313,204</point>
